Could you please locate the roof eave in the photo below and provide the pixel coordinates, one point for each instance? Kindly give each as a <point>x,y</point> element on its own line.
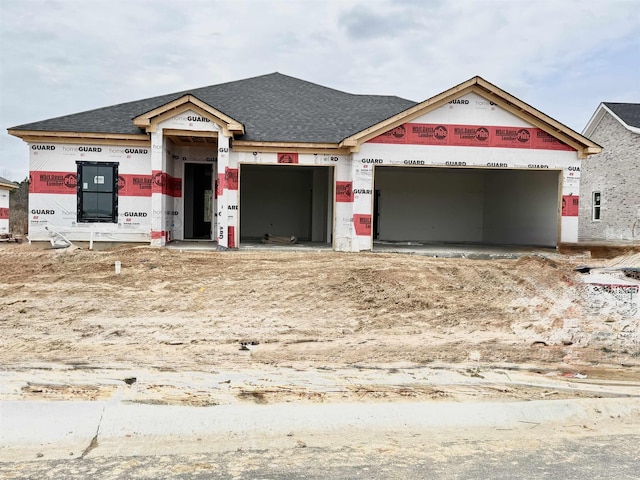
<point>303,147</point>
<point>36,136</point>
<point>580,143</point>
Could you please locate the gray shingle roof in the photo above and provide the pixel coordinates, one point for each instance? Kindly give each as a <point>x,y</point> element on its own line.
<point>629,113</point>
<point>5,182</point>
<point>273,107</point>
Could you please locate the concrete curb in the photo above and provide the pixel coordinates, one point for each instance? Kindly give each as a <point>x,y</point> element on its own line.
<point>64,429</point>
<point>29,428</point>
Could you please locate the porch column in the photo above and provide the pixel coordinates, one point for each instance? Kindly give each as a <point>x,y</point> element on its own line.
<point>363,197</point>
<point>227,208</point>
<point>158,180</point>
<point>345,234</point>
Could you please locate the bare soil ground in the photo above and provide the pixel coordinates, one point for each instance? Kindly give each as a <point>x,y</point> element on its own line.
<point>318,326</point>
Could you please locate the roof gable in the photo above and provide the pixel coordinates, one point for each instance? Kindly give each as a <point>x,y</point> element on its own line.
<point>150,120</point>
<point>627,114</point>
<point>491,93</point>
<point>472,108</point>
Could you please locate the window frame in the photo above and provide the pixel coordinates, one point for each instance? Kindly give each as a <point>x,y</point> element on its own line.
<point>596,206</point>
<point>81,193</point>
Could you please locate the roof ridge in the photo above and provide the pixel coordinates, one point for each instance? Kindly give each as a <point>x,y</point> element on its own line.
<point>324,87</point>
<point>621,103</point>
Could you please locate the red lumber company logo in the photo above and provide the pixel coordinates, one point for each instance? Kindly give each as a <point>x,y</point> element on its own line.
<point>344,192</point>
<point>231,237</point>
<point>135,185</point>
<point>473,136</point>
<point>523,135</point>
<point>362,224</point>
<point>161,182</point>
<point>142,181</point>
<point>399,131</point>
<point>58,180</point>
<point>52,182</point>
<point>220,185</point>
<point>174,186</point>
<point>440,132</point>
<point>482,134</point>
<point>231,178</point>
<point>287,158</point>
<point>70,180</point>
<point>159,179</point>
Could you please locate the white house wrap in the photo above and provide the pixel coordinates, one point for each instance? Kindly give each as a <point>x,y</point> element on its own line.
<point>280,156</point>
<point>5,188</point>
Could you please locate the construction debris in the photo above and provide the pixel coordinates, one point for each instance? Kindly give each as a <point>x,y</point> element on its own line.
<point>8,237</point>
<point>614,287</point>
<point>278,240</point>
<point>57,239</point>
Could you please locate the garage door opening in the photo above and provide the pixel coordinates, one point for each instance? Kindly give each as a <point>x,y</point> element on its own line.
<point>286,201</point>
<point>466,206</point>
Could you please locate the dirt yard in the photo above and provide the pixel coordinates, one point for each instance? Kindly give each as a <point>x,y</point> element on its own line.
<point>317,326</point>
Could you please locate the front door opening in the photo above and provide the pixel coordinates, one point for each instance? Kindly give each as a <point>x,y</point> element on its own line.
<point>198,201</point>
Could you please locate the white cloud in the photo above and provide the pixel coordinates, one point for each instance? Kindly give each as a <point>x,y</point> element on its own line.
<point>65,56</point>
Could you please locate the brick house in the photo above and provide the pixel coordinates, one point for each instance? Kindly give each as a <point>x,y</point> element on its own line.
<point>610,181</point>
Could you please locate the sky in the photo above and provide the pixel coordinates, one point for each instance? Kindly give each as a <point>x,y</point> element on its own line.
<point>59,57</point>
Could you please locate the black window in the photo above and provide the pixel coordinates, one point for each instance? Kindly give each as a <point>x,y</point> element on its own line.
<point>596,205</point>
<point>97,192</point>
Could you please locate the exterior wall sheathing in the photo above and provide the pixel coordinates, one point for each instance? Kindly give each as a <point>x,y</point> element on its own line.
<point>53,192</point>
<point>479,136</point>
<point>4,210</point>
<point>467,133</point>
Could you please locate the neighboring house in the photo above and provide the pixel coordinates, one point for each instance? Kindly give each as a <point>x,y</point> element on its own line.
<point>610,181</point>
<point>274,154</point>
<point>5,188</point>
